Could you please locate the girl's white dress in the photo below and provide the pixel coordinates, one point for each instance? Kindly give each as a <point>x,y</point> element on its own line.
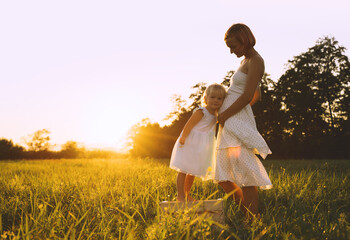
<point>196,157</point>
<point>239,141</point>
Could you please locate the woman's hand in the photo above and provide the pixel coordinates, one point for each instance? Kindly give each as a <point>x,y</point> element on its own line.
<point>222,119</point>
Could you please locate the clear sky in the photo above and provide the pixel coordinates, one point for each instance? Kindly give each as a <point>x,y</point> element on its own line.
<point>88,70</point>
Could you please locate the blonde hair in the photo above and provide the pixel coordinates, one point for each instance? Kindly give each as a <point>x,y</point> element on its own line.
<point>213,89</point>
<point>242,33</point>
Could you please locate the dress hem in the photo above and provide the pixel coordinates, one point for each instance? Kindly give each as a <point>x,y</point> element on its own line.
<point>204,178</point>
<point>263,152</point>
<point>263,187</point>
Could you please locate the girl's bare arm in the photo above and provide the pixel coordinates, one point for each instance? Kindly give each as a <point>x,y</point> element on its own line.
<point>194,119</point>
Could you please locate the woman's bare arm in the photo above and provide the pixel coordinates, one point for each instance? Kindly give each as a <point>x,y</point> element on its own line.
<point>256,97</point>
<point>255,73</point>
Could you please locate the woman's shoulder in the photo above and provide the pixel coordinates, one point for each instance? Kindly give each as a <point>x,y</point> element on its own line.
<point>256,62</point>
<point>257,59</point>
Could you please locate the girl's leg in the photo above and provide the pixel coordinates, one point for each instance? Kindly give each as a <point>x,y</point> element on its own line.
<point>188,184</point>
<point>251,199</point>
<point>238,196</point>
<point>180,183</point>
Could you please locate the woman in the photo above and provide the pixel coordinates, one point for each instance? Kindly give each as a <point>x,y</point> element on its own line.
<point>238,170</point>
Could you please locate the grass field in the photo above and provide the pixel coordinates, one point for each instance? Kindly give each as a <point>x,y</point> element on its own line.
<point>118,199</point>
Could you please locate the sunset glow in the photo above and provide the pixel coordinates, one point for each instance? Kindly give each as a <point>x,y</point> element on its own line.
<point>88,71</point>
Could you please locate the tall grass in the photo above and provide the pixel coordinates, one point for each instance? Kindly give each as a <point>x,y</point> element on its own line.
<point>118,199</point>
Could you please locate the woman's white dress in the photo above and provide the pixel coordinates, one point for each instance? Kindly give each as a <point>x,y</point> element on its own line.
<point>239,141</point>
<point>197,156</point>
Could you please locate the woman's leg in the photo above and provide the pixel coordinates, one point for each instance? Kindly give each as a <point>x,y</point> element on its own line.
<point>188,184</point>
<point>251,199</point>
<point>238,195</point>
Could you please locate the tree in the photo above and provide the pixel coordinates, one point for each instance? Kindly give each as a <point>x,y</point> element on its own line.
<point>311,93</point>
<point>71,150</point>
<point>150,140</point>
<point>39,141</point>
<point>179,107</point>
<point>8,150</point>
<point>270,119</point>
<point>197,95</point>
<point>227,78</point>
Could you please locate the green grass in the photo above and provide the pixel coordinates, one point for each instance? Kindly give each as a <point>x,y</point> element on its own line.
<point>118,199</point>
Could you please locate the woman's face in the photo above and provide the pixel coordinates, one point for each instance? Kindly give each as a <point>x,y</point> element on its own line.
<point>235,46</point>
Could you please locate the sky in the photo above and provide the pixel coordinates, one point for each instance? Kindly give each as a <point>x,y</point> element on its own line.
<point>89,70</point>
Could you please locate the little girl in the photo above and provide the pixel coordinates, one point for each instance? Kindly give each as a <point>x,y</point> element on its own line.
<point>193,153</point>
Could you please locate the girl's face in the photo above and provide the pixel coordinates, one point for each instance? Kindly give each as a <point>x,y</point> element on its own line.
<point>214,101</point>
<point>235,46</point>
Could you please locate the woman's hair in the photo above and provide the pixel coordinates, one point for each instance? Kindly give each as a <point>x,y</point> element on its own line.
<point>242,33</point>
<point>213,89</point>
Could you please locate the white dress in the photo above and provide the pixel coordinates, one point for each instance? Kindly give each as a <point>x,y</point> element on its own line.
<point>197,156</point>
<point>239,141</point>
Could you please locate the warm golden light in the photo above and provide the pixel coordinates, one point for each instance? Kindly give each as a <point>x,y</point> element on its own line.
<point>234,152</point>
<point>105,123</point>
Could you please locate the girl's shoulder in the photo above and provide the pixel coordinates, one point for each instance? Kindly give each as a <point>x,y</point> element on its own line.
<point>198,108</point>
<point>198,111</point>
<point>202,109</point>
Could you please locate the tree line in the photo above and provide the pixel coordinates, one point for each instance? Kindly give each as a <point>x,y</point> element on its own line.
<point>39,147</point>
<point>305,114</point>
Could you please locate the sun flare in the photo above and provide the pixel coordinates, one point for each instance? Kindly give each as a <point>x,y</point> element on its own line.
<point>106,125</point>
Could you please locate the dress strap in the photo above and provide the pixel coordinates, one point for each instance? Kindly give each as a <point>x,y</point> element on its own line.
<point>199,108</point>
